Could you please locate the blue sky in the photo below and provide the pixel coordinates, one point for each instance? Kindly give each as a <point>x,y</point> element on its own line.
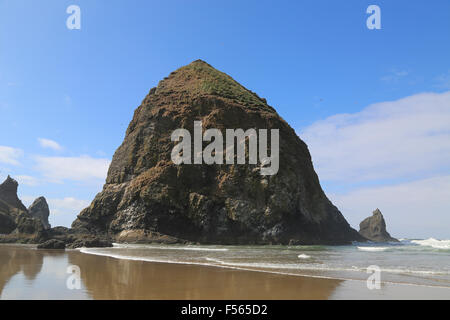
<point>334,80</point>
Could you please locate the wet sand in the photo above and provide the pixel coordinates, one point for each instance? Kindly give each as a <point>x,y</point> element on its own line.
<point>28,273</point>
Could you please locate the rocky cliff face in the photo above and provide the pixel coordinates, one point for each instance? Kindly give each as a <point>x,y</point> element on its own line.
<point>39,210</point>
<point>148,198</point>
<point>14,217</point>
<point>8,196</point>
<point>19,225</point>
<point>374,228</point>
<point>11,208</point>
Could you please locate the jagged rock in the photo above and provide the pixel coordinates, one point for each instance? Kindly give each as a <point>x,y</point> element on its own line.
<point>16,223</point>
<point>90,242</point>
<point>60,231</point>
<point>28,225</point>
<point>374,228</point>
<point>73,239</point>
<point>8,195</point>
<point>39,210</point>
<point>11,208</point>
<point>145,236</point>
<point>228,204</point>
<point>294,242</point>
<point>7,224</point>
<point>52,244</point>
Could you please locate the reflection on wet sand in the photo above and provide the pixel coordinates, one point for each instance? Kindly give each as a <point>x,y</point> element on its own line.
<point>15,259</point>
<point>42,274</point>
<point>109,278</point>
<point>28,273</point>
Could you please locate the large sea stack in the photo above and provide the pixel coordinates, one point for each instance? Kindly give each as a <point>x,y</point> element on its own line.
<point>148,198</point>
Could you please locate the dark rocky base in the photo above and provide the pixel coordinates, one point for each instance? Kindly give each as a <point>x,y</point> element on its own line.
<point>180,230</point>
<point>65,238</point>
<point>58,238</point>
<point>52,244</point>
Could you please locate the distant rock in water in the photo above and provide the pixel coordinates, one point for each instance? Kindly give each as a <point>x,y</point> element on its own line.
<point>39,210</point>
<point>374,228</point>
<point>148,198</point>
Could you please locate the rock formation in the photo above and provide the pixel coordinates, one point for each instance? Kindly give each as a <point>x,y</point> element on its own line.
<point>52,244</point>
<point>374,228</point>
<point>148,198</point>
<point>18,259</point>
<point>8,195</point>
<point>19,225</point>
<point>39,210</point>
<point>12,210</point>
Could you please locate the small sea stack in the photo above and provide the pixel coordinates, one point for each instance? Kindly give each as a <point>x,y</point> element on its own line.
<point>374,228</point>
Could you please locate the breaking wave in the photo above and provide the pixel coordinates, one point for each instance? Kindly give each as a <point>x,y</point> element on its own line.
<point>140,246</point>
<point>373,249</point>
<point>434,243</point>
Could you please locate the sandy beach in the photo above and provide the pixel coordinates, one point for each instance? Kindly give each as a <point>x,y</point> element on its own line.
<point>28,273</point>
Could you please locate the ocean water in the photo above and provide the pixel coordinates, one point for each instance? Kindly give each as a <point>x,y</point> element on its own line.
<point>416,262</point>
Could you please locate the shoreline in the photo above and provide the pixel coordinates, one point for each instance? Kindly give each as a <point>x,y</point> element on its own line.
<point>112,256</point>
<point>29,273</point>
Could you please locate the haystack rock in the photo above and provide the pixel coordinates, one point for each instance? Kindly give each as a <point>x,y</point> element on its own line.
<point>374,228</point>
<point>148,198</point>
<point>39,210</point>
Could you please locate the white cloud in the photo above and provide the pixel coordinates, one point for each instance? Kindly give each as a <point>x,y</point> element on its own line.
<point>394,76</point>
<point>414,209</point>
<point>68,205</point>
<point>443,81</point>
<point>60,206</point>
<point>402,150</point>
<point>26,180</point>
<point>407,138</point>
<point>62,210</point>
<point>47,143</point>
<point>10,155</point>
<point>83,168</point>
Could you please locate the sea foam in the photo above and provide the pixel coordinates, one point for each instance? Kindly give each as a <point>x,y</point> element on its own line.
<point>434,243</point>
<point>143,246</point>
<point>373,249</point>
